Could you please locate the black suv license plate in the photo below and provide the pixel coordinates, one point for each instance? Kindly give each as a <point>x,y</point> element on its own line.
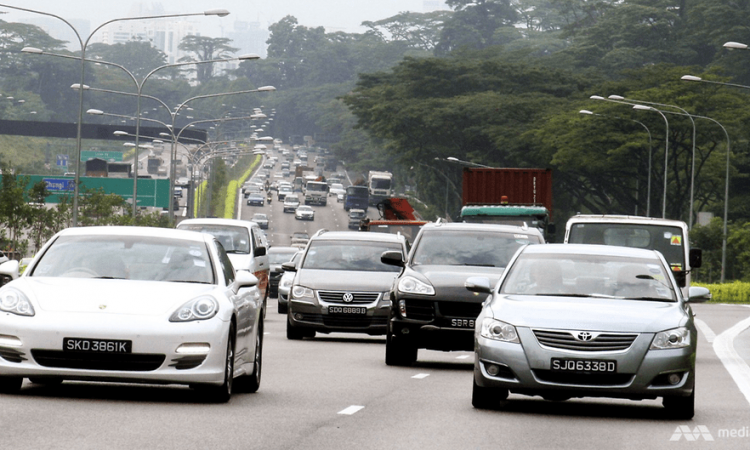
<point>356,310</point>
<point>583,365</point>
<point>97,345</point>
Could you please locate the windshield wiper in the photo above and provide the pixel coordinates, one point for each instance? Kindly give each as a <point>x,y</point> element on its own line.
<point>110,278</point>
<point>656,299</point>
<point>188,281</point>
<point>236,252</point>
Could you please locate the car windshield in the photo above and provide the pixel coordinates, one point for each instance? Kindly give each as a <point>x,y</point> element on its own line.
<point>260,217</point>
<point>349,255</point>
<point>234,239</point>
<point>601,276</point>
<point>126,257</point>
<point>468,247</point>
<point>281,257</point>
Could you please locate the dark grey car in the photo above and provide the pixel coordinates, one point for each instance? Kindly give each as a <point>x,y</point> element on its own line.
<point>341,285</point>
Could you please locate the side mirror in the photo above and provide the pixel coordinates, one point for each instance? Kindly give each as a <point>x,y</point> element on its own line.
<point>478,284</point>
<point>699,294</point>
<point>696,258</point>
<point>289,266</point>
<point>392,258</point>
<point>9,271</point>
<point>259,251</point>
<point>244,279</point>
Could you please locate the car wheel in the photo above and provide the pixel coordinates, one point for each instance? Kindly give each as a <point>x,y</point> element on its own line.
<point>487,398</point>
<point>293,333</point>
<point>283,309</point>
<point>10,385</point>
<point>399,352</point>
<point>680,407</point>
<point>222,394</point>
<point>251,383</point>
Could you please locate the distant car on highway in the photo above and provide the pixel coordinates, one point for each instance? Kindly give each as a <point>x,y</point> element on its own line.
<point>261,219</point>
<point>337,189</point>
<point>355,217</point>
<point>284,190</point>
<point>133,304</point>
<point>278,255</point>
<point>285,283</point>
<point>256,199</point>
<point>304,213</point>
<point>291,202</point>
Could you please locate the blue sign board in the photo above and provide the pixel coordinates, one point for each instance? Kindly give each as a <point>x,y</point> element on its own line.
<point>59,184</point>
<point>62,160</point>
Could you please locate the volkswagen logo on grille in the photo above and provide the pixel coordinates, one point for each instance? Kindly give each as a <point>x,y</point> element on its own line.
<point>348,297</point>
<point>585,336</point>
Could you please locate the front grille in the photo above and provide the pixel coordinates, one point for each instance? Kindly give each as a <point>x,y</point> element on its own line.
<point>129,362</point>
<point>420,310</point>
<point>459,309</point>
<point>358,298</point>
<point>584,379</point>
<point>11,355</point>
<point>565,340</point>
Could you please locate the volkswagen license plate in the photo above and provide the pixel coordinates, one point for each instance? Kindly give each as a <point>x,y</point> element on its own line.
<point>97,345</point>
<point>347,310</point>
<point>583,365</point>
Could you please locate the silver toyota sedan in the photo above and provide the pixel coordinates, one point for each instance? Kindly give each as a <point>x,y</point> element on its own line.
<point>132,304</point>
<point>586,321</point>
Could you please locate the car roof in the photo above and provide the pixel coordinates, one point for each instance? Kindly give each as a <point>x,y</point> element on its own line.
<point>358,236</point>
<point>463,226</point>
<point>135,231</point>
<point>215,221</point>
<point>591,249</point>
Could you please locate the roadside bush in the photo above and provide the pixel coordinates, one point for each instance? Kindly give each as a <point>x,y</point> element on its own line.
<point>736,292</point>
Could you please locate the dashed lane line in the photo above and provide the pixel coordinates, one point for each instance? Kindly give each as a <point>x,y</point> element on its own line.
<point>351,410</point>
<point>421,376</point>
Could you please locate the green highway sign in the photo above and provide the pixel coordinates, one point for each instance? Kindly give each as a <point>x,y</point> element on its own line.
<point>151,192</point>
<point>107,156</point>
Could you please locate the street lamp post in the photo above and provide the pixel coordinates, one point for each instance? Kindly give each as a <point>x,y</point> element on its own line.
<point>666,154</point>
<point>692,170</point>
<point>84,45</point>
<point>648,188</point>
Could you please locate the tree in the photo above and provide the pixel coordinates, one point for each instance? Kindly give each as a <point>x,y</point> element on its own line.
<point>416,30</point>
<point>205,48</point>
<point>475,23</point>
<point>138,57</point>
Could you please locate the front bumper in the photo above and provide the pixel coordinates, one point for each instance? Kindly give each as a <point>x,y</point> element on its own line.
<point>314,315</point>
<point>153,358</point>
<point>641,373</point>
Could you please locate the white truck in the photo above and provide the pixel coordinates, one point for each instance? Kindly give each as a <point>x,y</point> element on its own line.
<point>316,193</point>
<point>379,186</point>
<point>670,237</point>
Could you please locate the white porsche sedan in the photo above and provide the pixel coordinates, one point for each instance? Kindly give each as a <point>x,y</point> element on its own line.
<point>132,304</point>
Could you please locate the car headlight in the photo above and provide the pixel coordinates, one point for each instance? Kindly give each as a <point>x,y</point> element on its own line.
<point>413,286</point>
<point>15,302</point>
<point>286,282</point>
<point>674,338</point>
<point>200,308</point>
<point>499,331</point>
<point>301,292</point>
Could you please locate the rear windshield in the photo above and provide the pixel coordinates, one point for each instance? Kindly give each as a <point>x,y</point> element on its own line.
<point>468,247</point>
<point>349,255</point>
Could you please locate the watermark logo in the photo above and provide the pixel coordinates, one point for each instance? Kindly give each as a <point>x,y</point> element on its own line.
<point>684,431</point>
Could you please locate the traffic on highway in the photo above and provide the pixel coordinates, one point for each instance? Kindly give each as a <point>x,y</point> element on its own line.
<point>472,326</point>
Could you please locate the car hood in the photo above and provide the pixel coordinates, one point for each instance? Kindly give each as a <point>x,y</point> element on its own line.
<point>448,281</point>
<point>81,295</point>
<point>345,280</point>
<point>588,313</point>
<point>240,261</point>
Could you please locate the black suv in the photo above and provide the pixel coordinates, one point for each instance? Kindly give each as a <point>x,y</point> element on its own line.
<point>430,307</point>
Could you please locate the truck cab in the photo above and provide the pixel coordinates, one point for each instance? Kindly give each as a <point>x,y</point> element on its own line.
<point>670,237</point>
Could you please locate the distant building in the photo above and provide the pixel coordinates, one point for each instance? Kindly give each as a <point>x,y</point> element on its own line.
<point>249,37</point>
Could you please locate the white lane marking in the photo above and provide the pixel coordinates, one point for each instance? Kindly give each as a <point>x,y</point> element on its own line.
<point>735,365</point>
<point>351,410</point>
<point>705,330</point>
<point>420,376</point>
<point>266,332</point>
<point>463,357</point>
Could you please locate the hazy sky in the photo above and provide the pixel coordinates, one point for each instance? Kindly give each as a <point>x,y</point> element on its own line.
<point>345,15</point>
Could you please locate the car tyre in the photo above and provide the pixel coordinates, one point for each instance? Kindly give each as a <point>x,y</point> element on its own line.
<point>399,352</point>
<point>487,398</point>
<point>222,393</point>
<point>680,407</point>
<point>283,309</point>
<point>251,383</point>
<point>293,333</point>
<point>10,385</point>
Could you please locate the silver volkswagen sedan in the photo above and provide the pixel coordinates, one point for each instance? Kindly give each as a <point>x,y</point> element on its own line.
<point>133,304</point>
<point>586,321</point>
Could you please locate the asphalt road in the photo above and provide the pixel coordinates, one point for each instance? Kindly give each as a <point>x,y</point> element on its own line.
<point>335,392</point>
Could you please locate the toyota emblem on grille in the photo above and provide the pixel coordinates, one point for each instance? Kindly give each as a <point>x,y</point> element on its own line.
<point>584,336</point>
<point>348,297</point>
